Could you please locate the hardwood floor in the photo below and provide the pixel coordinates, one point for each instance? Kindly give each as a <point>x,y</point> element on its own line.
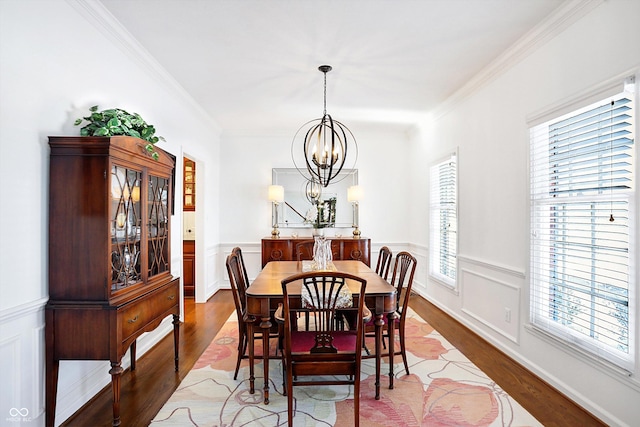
<point>145,390</point>
<point>542,401</point>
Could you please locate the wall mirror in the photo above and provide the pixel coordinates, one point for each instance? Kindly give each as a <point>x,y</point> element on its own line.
<point>293,211</point>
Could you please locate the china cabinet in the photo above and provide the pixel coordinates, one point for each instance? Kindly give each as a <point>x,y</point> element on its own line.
<point>109,254</point>
<point>189,187</point>
<point>342,248</point>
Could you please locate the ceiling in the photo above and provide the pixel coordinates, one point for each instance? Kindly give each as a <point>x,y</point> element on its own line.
<point>253,64</point>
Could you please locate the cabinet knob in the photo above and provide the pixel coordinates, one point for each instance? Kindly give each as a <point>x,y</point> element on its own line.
<point>171,297</point>
<point>134,320</point>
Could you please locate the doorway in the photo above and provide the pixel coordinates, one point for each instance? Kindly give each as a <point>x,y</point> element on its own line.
<point>189,229</point>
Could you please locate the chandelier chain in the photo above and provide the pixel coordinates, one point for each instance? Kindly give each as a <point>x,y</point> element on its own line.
<point>324,112</point>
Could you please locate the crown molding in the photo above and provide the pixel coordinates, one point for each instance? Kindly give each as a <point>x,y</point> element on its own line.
<point>100,18</point>
<point>554,24</point>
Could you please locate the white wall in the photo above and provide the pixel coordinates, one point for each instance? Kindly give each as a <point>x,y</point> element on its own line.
<point>57,59</point>
<point>53,69</point>
<point>246,217</point>
<point>382,172</point>
<point>489,127</point>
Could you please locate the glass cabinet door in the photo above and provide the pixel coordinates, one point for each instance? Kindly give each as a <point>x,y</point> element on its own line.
<point>125,222</point>
<point>158,236</point>
<point>189,189</point>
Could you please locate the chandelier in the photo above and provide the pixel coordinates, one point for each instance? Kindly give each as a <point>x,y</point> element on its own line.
<point>313,191</point>
<point>324,146</point>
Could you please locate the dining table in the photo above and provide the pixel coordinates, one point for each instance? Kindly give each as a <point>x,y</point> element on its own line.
<point>265,293</point>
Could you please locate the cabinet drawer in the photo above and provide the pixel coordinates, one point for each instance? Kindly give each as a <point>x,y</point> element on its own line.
<point>166,299</point>
<point>277,250</point>
<point>342,248</point>
<point>146,310</point>
<point>134,317</point>
<point>356,249</point>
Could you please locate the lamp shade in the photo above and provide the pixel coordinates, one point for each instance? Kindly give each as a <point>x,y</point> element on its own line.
<point>276,193</point>
<point>354,193</point>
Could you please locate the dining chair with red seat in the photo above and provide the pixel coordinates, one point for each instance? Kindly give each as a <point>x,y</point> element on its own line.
<point>247,325</point>
<point>402,279</point>
<point>322,355</point>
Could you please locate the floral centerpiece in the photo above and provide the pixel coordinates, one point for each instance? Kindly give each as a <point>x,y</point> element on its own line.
<point>322,214</point>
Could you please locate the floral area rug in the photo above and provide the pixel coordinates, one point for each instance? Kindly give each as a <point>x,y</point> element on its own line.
<point>443,389</point>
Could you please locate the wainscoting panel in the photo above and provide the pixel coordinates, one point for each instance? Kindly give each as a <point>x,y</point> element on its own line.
<point>22,358</point>
<point>422,268</point>
<point>252,255</point>
<point>211,271</point>
<point>491,301</point>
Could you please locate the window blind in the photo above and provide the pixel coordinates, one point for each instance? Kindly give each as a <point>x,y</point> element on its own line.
<point>582,205</point>
<point>444,220</point>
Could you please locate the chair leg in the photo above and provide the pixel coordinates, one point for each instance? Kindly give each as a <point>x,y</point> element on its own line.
<point>281,341</point>
<point>284,376</point>
<point>242,348</point>
<point>403,351</point>
<point>290,400</point>
<point>356,401</point>
<point>366,349</point>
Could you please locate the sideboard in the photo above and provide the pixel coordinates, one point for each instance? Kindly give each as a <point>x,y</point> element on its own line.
<point>343,248</point>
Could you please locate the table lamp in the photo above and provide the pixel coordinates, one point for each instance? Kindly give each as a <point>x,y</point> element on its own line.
<point>354,195</point>
<point>276,196</point>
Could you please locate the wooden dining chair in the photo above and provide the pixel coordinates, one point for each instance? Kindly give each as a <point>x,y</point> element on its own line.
<point>323,355</point>
<point>304,250</point>
<point>384,262</point>
<point>248,326</point>
<point>402,279</point>
<point>238,252</point>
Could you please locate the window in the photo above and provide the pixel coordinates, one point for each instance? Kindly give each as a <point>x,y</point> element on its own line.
<point>583,205</point>
<point>444,220</point>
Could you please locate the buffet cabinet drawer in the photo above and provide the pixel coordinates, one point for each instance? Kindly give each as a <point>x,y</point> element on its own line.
<point>356,249</point>
<point>138,314</point>
<point>276,250</point>
<point>284,249</point>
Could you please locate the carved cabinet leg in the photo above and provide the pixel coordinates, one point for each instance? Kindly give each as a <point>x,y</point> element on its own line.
<point>176,338</point>
<point>116,373</point>
<point>132,354</point>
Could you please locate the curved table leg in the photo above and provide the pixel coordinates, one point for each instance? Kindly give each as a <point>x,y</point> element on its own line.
<point>391,318</point>
<point>266,328</point>
<point>379,323</point>
<point>252,378</point>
